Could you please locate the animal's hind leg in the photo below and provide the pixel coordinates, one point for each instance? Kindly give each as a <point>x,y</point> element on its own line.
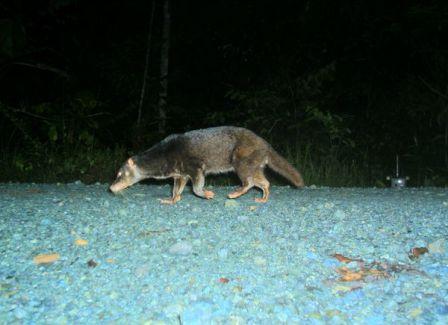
<point>247,185</point>
<point>245,175</point>
<point>261,182</point>
<point>246,162</point>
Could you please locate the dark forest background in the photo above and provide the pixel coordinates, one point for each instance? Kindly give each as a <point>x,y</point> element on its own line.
<point>339,87</point>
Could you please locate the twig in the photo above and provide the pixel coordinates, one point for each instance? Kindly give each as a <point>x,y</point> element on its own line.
<point>434,90</point>
<point>43,66</point>
<point>145,73</point>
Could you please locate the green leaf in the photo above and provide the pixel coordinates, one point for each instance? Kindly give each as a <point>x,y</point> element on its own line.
<point>53,133</point>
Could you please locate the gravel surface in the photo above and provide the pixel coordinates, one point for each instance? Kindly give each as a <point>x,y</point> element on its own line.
<point>72,253</point>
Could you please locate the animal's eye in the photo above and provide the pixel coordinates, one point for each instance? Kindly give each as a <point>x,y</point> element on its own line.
<point>119,174</point>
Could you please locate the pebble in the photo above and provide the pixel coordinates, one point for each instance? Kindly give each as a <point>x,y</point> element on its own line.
<point>231,203</point>
<point>416,312</point>
<point>181,248</point>
<point>45,222</point>
<point>260,261</point>
<point>339,214</point>
<point>223,253</point>
<point>442,309</point>
<point>20,313</point>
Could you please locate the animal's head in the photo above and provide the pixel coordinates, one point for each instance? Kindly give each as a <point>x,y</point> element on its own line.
<point>127,175</point>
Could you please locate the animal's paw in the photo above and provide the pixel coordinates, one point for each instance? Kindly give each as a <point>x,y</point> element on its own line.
<point>261,200</point>
<point>209,195</point>
<point>171,200</point>
<point>235,194</point>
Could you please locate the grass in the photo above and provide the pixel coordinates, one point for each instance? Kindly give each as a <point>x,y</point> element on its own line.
<point>86,165</point>
<point>91,165</point>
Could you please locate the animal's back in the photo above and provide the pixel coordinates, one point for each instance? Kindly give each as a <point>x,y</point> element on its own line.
<point>215,146</point>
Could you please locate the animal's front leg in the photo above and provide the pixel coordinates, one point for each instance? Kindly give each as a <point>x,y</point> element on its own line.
<point>179,185</point>
<point>198,181</point>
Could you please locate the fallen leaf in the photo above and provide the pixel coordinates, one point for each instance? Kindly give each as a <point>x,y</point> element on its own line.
<point>348,275</point>
<point>237,289</point>
<point>342,258</point>
<point>81,242</point>
<point>46,258</point>
<point>223,280</point>
<point>416,252</point>
<point>414,313</point>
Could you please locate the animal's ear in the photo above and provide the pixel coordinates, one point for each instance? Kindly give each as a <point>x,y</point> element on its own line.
<point>131,162</point>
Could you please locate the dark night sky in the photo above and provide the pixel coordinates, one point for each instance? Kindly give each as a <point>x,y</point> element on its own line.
<point>219,43</point>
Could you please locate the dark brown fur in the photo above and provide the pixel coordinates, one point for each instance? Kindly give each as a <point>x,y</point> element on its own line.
<point>194,154</point>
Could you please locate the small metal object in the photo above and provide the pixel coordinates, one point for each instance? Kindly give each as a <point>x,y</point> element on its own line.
<point>397,181</point>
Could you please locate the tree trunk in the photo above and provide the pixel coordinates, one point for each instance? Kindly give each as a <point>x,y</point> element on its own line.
<point>146,71</point>
<point>164,59</point>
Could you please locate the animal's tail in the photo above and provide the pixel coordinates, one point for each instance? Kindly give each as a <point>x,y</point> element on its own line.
<point>284,168</point>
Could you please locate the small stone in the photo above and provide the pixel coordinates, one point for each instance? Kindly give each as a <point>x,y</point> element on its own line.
<point>329,205</point>
<point>339,214</point>
<point>237,320</point>
<point>113,295</point>
<point>414,313</point>
<point>20,313</point>
<point>142,270</point>
<point>193,223</point>
<point>45,222</point>
<point>181,248</point>
<point>237,289</point>
<point>231,203</point>
<point>442,310</point>
<point>260,261</point>
<point>223,253</point>
<point>341,289</point>
<point>92,263</point>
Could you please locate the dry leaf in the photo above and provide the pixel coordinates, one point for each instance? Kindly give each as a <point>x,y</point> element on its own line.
<point>81,242</point>
<point>46,258</point>
<point>349,275</point>
<point>417,251</point>
<point>342,258</point>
